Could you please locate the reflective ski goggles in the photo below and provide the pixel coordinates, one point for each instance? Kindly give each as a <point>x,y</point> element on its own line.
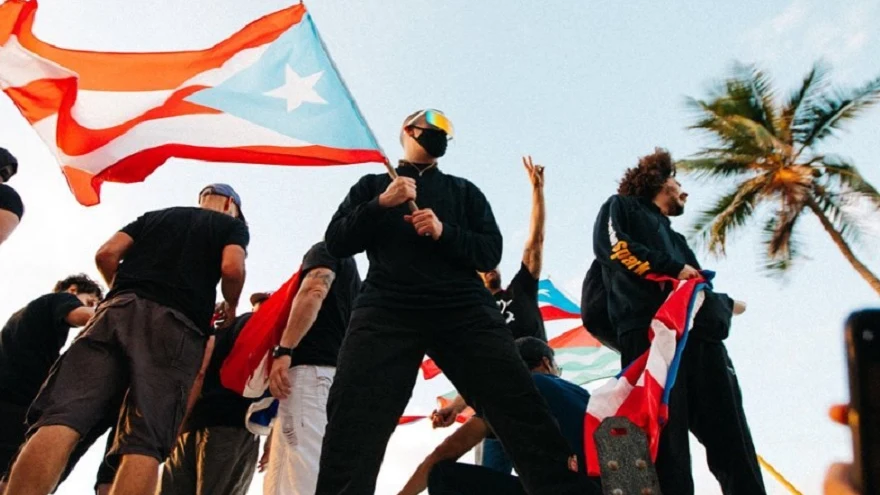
<point>436,119</point>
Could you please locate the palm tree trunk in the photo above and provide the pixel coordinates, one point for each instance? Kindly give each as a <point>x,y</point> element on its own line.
<point>841,243</point>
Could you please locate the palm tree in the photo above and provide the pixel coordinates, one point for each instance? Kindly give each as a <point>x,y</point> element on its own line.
<point>768,150</point>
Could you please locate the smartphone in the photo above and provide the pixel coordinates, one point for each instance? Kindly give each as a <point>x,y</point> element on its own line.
<point>863,355</point>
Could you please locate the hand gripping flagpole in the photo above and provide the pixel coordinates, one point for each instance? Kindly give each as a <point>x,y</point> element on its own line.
<point>413,207</point>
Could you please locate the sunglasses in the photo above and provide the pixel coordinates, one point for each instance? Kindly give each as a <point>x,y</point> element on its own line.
<point>434,118</point>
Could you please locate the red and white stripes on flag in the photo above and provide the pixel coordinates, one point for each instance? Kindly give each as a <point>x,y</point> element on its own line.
<point>641,391</point>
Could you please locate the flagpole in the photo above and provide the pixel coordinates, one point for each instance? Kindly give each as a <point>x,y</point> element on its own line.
<point>391,172</point>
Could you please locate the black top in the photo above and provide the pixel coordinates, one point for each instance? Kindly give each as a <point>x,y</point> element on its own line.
<point>412,271</point>
<point>30,343</point>
<point>632,238</point>
<point>519,306</point>
<point>175,259</point>
<point>219,406</point>
<point>320,346</point>
<point>11,201</point>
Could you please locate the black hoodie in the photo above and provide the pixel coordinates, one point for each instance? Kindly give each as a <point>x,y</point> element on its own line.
<point>409,271</point>
<point>632,238</point>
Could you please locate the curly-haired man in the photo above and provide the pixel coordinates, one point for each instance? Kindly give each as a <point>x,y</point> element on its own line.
<point>633,238</point>
<point>30,342</point>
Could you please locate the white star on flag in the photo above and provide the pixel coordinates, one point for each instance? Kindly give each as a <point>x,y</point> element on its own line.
<point>298,90</point>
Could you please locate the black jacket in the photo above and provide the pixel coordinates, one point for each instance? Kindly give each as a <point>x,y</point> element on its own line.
<point>409,271</point>
<point>632,238</point>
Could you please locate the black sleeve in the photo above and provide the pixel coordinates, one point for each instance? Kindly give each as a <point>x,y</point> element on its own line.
<point>319,257</point>
<point>11,201</point>
<point>353,226</point>
<point>62,304</point>
<point>616,247</point>
<point>135,228</point>
<point>479,246</point>
<point>237,235</point>
<point>525,283</point>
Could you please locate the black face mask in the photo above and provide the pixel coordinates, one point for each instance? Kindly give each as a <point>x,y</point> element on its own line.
<point>433,142</point>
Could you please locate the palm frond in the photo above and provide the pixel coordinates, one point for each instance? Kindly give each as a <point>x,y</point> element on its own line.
<point>758,96</point>
<point>799,100</point>
<point>737,133</point>
<point>729,213</point>
<point>830,110</point>
<point>843,179</point>
<point>782,245</point>
<point>715,166</point>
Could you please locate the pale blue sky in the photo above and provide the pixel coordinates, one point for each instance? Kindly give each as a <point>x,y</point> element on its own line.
<point>585,87</point>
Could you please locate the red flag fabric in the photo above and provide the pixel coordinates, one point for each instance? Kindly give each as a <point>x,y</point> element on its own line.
<point>246,369</point>
<point>641,391</point>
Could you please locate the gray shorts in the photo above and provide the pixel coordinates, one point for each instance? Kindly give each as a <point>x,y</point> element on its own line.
<point>136,351</point>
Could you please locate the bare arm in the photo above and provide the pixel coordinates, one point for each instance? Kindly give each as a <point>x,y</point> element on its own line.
<point>111,254</point>
<point>232,273</point>
<point>196,389</point>
<point>306,305</point>
<point>533,255</point>
<point>303,313</point>
<point>79,316</point>
<point>455,446</point>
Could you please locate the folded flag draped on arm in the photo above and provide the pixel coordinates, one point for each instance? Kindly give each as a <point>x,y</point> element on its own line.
<point>246,369</point>
<point>641,391</point>
<point>268,94</point>
<point>583,358</point>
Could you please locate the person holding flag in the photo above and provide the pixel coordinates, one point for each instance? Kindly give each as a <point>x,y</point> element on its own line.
<point>423,294</point>
<point>633,240</point>
<point>146,342</point>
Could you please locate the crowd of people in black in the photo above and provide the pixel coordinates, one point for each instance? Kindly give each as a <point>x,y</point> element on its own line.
<point>146,366</point>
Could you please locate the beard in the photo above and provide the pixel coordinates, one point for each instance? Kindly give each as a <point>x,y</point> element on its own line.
<point>675,209</point>
<point>493,284</point>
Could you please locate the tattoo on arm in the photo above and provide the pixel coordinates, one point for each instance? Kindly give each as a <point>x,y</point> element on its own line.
<point>324,276</point>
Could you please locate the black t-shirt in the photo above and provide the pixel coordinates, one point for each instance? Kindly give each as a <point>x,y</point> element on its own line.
<point>219,406</point>
<point>30,343</point>
<point>176,256</point>
<point>321,344</point>
<point>11,201</point>
<point>519,306</point>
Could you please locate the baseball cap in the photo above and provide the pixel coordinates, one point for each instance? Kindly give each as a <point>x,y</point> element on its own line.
<point>8,164</point>
<point>227,191</point>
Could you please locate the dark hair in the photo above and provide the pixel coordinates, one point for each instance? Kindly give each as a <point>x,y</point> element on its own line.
<point>647,179</point>
<point>8,164</point>
<point>533,351</point>
<point>259,297</point>
<point>84,285</point>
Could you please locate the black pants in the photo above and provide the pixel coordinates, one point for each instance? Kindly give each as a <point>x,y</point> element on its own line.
<point>707,401</point>
<point>454,478</point>
<point>377,369</point>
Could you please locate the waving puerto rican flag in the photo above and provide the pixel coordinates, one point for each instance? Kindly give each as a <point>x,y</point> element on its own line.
<point>268,94</point>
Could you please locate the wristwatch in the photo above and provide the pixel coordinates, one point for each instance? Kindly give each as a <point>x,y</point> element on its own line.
<point>279,351</point>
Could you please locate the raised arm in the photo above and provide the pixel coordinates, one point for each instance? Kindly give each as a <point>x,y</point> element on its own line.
<point>616,248</point>
<point>533,254</point>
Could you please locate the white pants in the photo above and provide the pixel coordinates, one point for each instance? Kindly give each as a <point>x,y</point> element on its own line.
<point>298,433</point>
